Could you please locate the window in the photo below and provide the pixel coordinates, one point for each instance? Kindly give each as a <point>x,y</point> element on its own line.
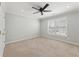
<point>57,27</point>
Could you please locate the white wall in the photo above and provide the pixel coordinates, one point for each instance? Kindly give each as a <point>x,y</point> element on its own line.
<point>73,28</point>
<point>19,27</point>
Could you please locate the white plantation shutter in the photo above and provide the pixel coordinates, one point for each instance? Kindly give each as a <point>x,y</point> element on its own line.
<point>57,27</point>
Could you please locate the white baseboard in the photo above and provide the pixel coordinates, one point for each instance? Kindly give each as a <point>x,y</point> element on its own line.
<point>65,41</point>
<point>31,37</point>
<point>36,36</point>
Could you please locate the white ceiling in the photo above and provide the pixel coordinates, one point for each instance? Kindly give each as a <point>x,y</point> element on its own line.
<point>25,8</point>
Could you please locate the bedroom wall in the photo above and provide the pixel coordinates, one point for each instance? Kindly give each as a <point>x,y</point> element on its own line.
<point>20,27</point>
<point>72,29</point>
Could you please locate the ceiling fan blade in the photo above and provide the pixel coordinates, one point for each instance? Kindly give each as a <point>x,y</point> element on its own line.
<point>35,8</point>
<point>45,6</point>
<point>39,6</point>
<point>36,12</point>
<point>47,11</point>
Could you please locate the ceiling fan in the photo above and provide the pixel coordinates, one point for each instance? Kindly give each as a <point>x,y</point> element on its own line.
<point>41,9</point>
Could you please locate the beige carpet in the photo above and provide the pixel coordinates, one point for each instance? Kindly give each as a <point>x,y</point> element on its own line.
<point>41,47</point>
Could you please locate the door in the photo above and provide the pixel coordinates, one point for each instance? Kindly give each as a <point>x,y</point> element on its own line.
<point>2,29</point>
